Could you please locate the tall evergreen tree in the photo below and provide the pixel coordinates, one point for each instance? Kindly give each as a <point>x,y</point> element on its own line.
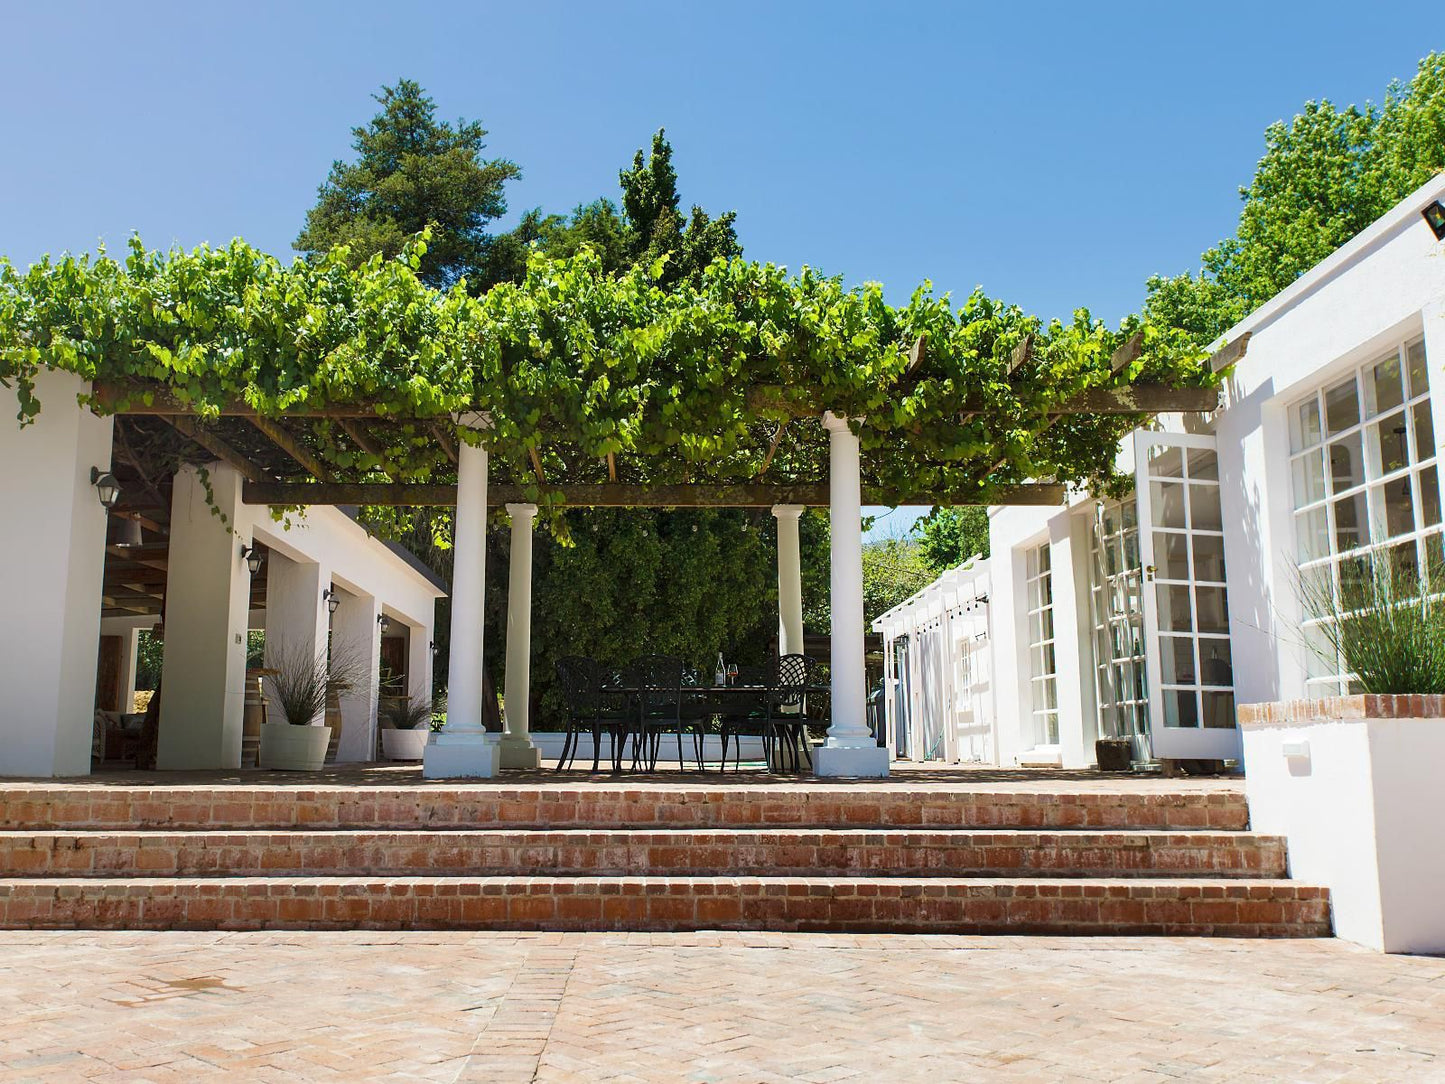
<point>412,171</point>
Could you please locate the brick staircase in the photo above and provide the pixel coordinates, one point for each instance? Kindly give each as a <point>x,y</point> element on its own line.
<point>652,857</point>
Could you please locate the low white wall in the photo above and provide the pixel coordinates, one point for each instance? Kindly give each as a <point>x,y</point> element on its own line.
<point>1361,803</point>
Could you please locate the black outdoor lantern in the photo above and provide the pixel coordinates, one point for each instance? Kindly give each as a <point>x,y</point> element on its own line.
<point>384,622</point>
<point>331,599</point>
<point>434,649</point>
<point>1435,216</point>
<point>106,487</point>
<point>253,557</point>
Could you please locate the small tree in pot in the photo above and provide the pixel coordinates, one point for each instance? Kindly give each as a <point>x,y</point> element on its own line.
<point>299,688</point>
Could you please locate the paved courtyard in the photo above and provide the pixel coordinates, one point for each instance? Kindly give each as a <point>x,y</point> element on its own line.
<point>710,1007</point>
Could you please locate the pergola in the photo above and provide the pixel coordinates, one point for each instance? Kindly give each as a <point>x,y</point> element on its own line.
<point>914,406</point>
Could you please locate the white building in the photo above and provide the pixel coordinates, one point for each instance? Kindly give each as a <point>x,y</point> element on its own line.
<point>1151,617</point>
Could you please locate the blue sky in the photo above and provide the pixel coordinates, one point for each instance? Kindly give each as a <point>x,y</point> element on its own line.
<point>1055,154</point>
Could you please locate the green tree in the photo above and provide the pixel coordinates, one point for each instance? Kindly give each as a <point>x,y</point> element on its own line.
<point>893,569</point>
<point>412,170</point>
<point>948,536</point>
<point>1324,177</point>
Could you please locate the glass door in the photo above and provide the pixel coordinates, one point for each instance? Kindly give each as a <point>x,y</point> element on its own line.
<point>1186,603</point>
<point>1117,610</point>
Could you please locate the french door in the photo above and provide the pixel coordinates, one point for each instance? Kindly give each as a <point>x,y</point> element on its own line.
<point>1185,600</point>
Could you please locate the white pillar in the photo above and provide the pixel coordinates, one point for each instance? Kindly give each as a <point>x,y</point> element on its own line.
<point>208,597</point>
<point>52,563</point>
<point>354,629</point>
<point>419,662</point>
<point>129,656</point>
<point>851,749</point>
<point>463,748</point>
<point>296,618</point>
<point>790,580</point>
<point>517,748</point>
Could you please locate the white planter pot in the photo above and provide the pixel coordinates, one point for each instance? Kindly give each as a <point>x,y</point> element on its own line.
<point>404,744</point>
<point>290,748</point>
<point>1354,783</point>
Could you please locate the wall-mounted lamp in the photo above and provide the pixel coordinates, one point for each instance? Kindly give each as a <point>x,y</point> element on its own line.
<point>434,649</point>
<point>384,622</point>
<point>331,599</point>
<point>253,557</point>
<point>1435,216</point>
<point>106,487</point>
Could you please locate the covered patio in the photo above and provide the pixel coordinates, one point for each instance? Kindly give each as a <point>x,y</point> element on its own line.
<point>571,390</point>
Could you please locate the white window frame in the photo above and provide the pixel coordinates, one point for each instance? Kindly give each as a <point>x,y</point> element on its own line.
<point>1042,652</point>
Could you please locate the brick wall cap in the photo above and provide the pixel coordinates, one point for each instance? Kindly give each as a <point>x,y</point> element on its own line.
<point>1336,709</point>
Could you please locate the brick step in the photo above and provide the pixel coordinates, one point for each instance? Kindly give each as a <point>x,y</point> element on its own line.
<point>584,852</point>
<point>563,805</point>
<point>1235,908</point>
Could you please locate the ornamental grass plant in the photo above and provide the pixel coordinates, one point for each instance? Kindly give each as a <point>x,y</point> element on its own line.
<point>1385,624</point>
<point>302,680</point>
<point>410,714</point>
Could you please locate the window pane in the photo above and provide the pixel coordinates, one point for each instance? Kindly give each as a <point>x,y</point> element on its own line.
<point>1166,462</point>
<point>1342,406</point>
<point>1424,432</point>
<point>1317,589</point>
<point>1171,551</point>
<point>1415,363</point>
<point>1180,708</point>
<point>1131,550</point>
<point>1203,463</point>
<point>1388,446</point>
<point>1218,709</point>
<point>1130,513</point>
<point>1174,613</point>
<point>1176,654</point>
<point>1352,523</point>
<point>1204,508</point>
<point>1309,479</point>
<point>1384,389</point>
<point>1216,666</point>
<point>1209,556</point>
<point>1168,501</point>
<point>1434,554</point>
<point>1429,497</point>
<point>1304,425</point>
<point>1211,611</point>
<point>1347,468</point>
<point>1313,535</point>
<point>1394,507</point>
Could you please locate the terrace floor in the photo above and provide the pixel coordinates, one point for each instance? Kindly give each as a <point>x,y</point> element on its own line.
<point>710,1007</point>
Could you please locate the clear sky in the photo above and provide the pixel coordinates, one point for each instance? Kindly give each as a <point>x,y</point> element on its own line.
<point>1055,154</point>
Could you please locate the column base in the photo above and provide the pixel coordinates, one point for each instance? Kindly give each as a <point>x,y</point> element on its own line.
<point>519,752</point>
<point>460,756</point>
<point>869,762</point>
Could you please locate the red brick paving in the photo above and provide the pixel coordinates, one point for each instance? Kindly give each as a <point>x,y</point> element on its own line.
<point>710,1007</point>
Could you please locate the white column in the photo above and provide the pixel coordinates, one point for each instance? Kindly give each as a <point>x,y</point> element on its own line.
<point>851,749</point>
<point>208,597</point>
<point>463,748</point>
<point>517,748</point>
<point>354,630</point>
<point>129,656</point>
<point>790,580</point>
<point>296,619</point>
<point>419,662</point>
<point>52,563</point>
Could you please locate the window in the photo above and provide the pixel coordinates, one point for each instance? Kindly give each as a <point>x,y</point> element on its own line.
<point>1118,618</point>
<point>1040,590</point>
<point>1363,477</point>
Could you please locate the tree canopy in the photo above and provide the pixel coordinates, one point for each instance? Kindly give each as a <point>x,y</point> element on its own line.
<point>1324,177</point>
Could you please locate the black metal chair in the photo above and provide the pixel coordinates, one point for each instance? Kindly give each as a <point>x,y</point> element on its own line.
<point>787,717</point>
<point>750,721</point>
<point>658,680</point>
<point>590,706</point>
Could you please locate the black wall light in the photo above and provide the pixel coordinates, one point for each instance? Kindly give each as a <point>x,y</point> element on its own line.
<point>384,622</point>
<point>331,599</point>
<point>253,557</point>
<point>106,487</point>
<point>1435,216</point>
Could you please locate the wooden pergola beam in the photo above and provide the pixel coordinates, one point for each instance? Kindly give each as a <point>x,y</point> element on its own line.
<point>1229,353</point>
<point>197,434</point>
<point>279,436</point>
<point>619,495</point>
<point>353,428</point>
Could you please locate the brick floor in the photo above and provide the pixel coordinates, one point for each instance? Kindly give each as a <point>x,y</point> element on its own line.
<point>710,1007</point>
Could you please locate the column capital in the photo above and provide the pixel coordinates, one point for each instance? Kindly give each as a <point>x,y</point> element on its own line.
<point>835,423</point>
<point>472,419</point>
<point>788,511</point>
<point>521,511</point>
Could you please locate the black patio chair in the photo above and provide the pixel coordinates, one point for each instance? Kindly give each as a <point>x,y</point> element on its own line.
<point>749,721</point>
<point>787,718</point>
<point>658,680</point>
<point>591,707</point>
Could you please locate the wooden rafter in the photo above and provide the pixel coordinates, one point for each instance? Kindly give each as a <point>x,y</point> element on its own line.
<point>619,495</point>
<point>282,438</point>
<point>448,444</point>
<point>353,428</point>
<point>199,435</point>
<point>611,467</point>
<point>773,447</point>
<point>536,464</point>
<point>1229,353</point>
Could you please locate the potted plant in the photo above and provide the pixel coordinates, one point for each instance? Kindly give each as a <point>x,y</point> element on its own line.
<point>299,688</point>
<point>1353,781</point>
<point>406,727</point>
